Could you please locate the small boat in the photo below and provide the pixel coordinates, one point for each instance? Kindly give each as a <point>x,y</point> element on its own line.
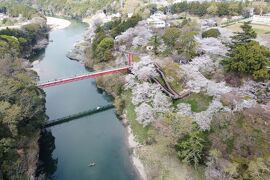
<point>91,164</point>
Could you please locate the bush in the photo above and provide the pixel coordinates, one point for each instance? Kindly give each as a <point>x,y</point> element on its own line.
<point>246,56</point>
<point>103,42</point>
<point>192,148</point>
<point>211,33</point>
<point>124,25</point>
<point>15,9</point>
<point>27,37</point>
<point>104,48</point>
<point>171,35</point>
<point>242,139</point>
<point>213,8</point>
<point>9,44</point>
<point>249,59</point>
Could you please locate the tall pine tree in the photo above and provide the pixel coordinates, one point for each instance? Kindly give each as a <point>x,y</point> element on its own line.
<point>246,56</point>
<point>245,36</point>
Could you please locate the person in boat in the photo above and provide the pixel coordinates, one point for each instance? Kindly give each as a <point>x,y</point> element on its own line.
<point>92,164</point>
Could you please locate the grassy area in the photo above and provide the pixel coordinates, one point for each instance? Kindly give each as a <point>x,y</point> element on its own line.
<point>199,102</point>
<point>260,29</point>
<point>173,75</point>
<point>140,132</point>
<point>161,81</point>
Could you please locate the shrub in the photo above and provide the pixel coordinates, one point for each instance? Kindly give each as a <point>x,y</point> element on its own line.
<point>242,139</point>
<point>171,35</point>
<point>249,59</point>
<point>120,27</point>
<point>103,51</point>
<point>192,148</point>
<point>211,33</point>
<point>9,44</point>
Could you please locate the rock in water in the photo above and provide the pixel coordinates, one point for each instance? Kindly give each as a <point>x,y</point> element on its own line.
<point>77,53</point>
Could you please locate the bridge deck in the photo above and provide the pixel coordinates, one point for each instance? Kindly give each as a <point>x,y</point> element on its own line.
<point>82,77</point>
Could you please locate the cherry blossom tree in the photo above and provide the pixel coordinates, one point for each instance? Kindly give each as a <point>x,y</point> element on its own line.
<point>145,114</point>
<point>144,92</point>
<point>211,45</point>
<point>184,109</point>
<point>146,96</point>
<point>204,118</point>
<point>161,102</point>
<point>137,36</point>
<point>144,69</point>
<point>130,81</point>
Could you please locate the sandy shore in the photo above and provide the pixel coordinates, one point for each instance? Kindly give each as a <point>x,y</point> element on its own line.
<point>134,157</point>
<point>17,26</point>
<point>57,23</point>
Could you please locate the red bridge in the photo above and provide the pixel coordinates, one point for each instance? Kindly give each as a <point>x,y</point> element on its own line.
<point>88,76</point>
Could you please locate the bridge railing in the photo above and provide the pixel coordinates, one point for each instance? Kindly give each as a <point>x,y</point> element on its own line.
<point>82,77</point>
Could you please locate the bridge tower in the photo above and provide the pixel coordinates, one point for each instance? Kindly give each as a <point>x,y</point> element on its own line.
<point>130,59</point>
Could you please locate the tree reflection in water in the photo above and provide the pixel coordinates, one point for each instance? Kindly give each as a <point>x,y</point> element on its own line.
<point>47,165</point>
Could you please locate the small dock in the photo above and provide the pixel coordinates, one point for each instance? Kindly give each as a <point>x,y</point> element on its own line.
<point>77,115</point>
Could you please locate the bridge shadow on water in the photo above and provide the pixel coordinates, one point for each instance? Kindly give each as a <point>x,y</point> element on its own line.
<point>78,115</point>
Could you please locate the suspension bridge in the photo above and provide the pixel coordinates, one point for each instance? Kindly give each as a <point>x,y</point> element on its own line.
<point>57,82</point>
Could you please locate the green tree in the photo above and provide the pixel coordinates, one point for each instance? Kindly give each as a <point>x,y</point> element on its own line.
<point>198,8</point>
<point>9,44</point>
<point>246,56</point>
<point>249,59</point>
<point>212,10</point>
<point>171,35</point>
<point>186,45</point>
<point>192,148</point>
<point>211,33</point>
<point>179,7</point>
<point>104,49</point>
<point>245,36</point>
<point>223,9</point>
<point>155,41</point>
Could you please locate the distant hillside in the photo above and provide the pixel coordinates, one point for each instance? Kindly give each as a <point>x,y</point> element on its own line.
<point>69,8</point>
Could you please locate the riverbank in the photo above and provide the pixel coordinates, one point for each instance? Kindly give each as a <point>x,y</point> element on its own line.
<point>20,159</point>
<point>133,144</point>
<point>57,23</point>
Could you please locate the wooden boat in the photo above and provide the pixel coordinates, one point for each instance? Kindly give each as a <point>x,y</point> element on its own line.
<point>91,164</point>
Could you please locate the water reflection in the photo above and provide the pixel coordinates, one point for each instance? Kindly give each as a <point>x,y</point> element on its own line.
<point>37,54</point>
<point>47,165</point>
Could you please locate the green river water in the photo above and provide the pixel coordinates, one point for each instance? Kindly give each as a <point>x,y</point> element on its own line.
<point>67,149</point>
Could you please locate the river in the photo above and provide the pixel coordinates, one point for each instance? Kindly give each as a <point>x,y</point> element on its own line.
<point>73,145</point>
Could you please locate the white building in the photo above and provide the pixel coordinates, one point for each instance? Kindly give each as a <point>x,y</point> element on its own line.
<point>157,20</point>
<point>156,23</point>
<point>159,2</point>
<point>264,20</point>
<point>158,15</point>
